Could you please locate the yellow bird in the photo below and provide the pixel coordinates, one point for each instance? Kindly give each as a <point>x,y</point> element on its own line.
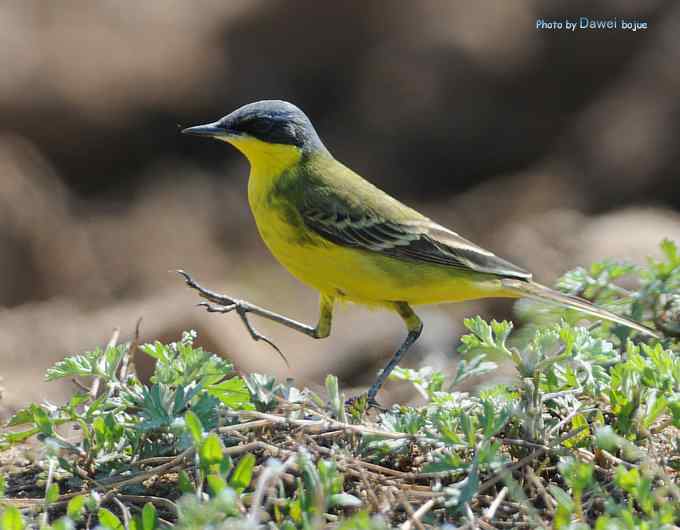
<point>349,240</point>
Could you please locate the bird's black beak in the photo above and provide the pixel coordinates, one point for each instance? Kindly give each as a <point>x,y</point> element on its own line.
<point>212,130</point>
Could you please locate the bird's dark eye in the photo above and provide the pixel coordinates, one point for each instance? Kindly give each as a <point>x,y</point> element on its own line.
<point>258,126</point>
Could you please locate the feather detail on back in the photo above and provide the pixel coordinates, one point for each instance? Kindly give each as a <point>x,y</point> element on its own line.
<point>419,240</point>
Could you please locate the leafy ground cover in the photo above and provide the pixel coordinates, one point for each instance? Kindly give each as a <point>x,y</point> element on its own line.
<point>586,436</point>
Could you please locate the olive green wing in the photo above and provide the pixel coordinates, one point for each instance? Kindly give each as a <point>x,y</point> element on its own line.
<point>416,239</point>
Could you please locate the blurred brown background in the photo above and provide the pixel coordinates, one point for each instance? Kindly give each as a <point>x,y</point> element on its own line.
<point>552,148</point>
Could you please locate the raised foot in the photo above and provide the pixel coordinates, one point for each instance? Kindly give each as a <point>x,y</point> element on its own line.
<point>219,303</point>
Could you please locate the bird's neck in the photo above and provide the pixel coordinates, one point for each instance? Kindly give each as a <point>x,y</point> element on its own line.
<point>267,163</point>
<point>267,159</point>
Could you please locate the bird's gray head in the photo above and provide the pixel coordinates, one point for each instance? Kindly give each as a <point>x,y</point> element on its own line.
<point>269,121</point>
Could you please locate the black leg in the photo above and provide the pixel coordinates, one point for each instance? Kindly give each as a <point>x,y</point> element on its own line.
<point>415,327</point>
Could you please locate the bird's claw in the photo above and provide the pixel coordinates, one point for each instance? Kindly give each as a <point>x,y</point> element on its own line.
<point>219,303</point>
<point>256,335</point>
<point>216,298</point>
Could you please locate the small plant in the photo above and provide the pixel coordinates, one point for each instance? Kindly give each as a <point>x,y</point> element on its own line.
<point>585,436</point>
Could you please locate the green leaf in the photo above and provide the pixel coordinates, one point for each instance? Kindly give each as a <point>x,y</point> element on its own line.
<point>76,507</point>
<point>627,479</point>
<point>675,412</point>
<point>194,426</point>
<point>43,421</point>
<point>112,359</point>
<point>109,520</point>
<point>474,367</point>
<point>670,249</point>
<point>665,268</point>
<point>446,462</point>
<point>10,438</point>
<point>426,380</point>
<point>63,523</point>
<point>77,365</point>
<point>487,338</point>
<point>11,519</point>
<point>653,406</point>
<point>22,416</point>
<point>562,516</point>
<point>469,425</point>
<point>578,475</point>
<point>216,484</point>
<point>233,393</point>
<point>295,510</point>
<point>470,485</point>
<point>52,493</point>
<point>108,431</point>
<point>206,409</point>
<point>491,422</point>
<point>149,517</point>
<point>182,364</point>
<point>336,400</point>
<point>446,425</point>
<point>583,437</point>
<point>184,483</point>
<point>97,363</point>
<point>264,390</point>
<point>243,474</point>
<point>157,407</point>
<point>562,497</point>
<point>363,521</point>
<point>211,451</point>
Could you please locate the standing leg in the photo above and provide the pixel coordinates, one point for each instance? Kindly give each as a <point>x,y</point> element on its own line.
<point>415,327</point>
<point>323,326</point>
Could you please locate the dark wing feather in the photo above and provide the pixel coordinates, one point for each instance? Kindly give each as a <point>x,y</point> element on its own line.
<point>416,240</point>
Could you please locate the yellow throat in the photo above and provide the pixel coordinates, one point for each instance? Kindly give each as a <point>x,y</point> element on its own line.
<point>267,161</point>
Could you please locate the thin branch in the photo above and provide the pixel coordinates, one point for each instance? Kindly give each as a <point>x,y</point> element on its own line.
<point>123,510</point>
<point>128,360</point>
<point>418,514</point>
<point>409,511</point>
<point>524,461</point>
<point>269,475</point>
<point>549,501</point>
<point>115,482</point>
<point>161,502</point>
<point>326,425</point>
<point>491,510</point>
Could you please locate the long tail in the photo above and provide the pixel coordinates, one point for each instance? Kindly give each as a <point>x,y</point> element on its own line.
<point>536,291</point>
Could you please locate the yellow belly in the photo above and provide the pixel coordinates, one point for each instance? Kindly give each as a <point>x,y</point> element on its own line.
<point>362,276</point>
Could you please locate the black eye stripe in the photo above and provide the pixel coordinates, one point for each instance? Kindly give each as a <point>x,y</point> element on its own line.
<point>261,125</point>
<point>272,128</point>
<point>256,126</point>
